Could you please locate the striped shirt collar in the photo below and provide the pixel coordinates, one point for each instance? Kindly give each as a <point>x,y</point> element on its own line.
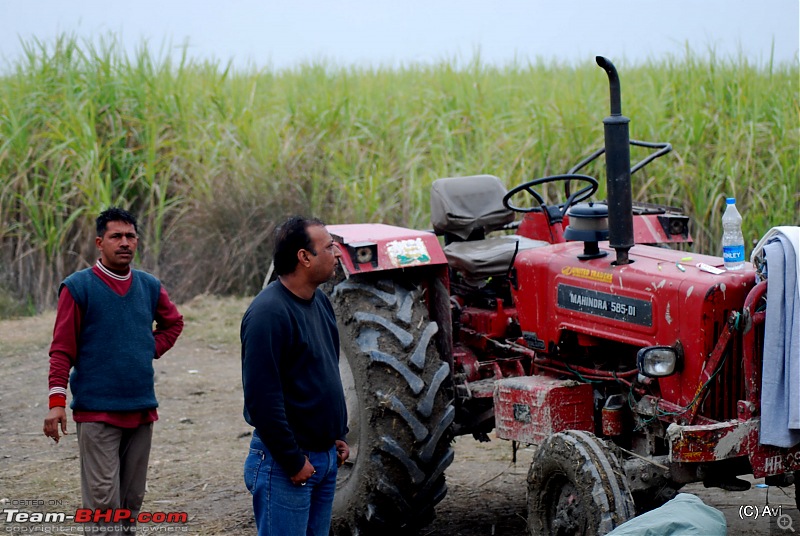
<point>112,275</point>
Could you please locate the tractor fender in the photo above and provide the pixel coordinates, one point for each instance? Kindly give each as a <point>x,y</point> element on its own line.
<point>378,247</point>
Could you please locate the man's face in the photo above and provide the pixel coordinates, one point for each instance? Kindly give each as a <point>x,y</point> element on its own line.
<point>323,264</point>
<point>117,245</point>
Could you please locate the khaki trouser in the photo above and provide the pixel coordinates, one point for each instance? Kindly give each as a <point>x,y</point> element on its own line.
<point>113,465</point>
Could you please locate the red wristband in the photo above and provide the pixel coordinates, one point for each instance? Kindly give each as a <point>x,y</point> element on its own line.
<point>58,401</point>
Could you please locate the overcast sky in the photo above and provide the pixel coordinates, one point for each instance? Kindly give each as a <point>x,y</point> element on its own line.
<point>266,33</point>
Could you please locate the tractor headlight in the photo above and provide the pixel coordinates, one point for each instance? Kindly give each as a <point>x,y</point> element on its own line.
<point>362,253</point>
<point>675,224</point>
<point>658,361</point>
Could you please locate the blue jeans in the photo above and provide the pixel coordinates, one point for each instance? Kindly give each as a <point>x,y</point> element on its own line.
<point>282,508</point>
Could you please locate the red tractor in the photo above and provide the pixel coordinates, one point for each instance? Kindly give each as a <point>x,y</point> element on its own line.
<point>633,370</point>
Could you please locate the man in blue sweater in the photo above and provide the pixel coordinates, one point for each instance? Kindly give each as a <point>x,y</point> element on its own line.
<point>293,394</point>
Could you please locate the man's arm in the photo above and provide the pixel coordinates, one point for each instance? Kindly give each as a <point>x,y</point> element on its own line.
<point>169,323</point>
<point>63,351</point>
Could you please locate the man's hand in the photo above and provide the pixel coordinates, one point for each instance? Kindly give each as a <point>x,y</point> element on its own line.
<point>305,473</point>
<point>342,452</point>
<point>55,417</point>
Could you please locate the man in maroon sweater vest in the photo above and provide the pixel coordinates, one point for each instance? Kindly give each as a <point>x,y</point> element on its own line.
<point>104,333</point>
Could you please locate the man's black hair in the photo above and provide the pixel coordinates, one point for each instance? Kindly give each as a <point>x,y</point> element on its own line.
<point>114,214</point>
<point>291,237</point>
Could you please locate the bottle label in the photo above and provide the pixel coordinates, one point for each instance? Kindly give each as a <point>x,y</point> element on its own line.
<point>733,253</point>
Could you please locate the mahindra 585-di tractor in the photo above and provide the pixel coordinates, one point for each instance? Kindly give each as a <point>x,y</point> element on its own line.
<point>632,370</point>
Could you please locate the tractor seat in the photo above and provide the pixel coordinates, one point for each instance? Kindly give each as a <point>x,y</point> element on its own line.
<point>464,210</point>
<point>491,257</point>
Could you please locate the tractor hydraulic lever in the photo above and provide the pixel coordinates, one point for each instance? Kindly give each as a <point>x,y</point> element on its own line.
<point>712,366</point>
<point>755,316</point>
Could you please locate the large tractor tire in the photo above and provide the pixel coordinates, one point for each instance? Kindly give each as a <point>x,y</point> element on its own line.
<point>399,402</point>
<point>576,486</point>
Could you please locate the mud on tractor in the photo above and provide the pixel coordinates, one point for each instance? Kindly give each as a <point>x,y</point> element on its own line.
<point>572,329</point>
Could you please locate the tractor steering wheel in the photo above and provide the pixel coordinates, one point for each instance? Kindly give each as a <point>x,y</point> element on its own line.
<point>572,198</point>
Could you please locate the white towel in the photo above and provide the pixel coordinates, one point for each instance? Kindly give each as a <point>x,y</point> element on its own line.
<point>780,377</point>
<point>792,233</point>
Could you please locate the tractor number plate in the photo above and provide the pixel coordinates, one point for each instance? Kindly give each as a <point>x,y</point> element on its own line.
<point>597,303</point>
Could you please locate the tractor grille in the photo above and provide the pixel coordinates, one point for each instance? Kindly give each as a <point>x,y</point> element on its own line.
<point>728,386</point>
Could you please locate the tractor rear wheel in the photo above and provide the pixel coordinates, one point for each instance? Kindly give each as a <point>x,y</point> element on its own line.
<point>576,485</point>
<point>399,403</point>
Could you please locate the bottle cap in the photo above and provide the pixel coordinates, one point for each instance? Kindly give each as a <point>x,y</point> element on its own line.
<point>730,200</point>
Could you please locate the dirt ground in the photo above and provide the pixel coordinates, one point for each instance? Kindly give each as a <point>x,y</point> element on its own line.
<point>201,439</point>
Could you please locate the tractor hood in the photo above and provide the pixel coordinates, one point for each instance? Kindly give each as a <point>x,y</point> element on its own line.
<point>662,298</point>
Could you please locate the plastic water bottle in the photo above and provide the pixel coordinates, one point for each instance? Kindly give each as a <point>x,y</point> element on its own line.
<point>732,239</point>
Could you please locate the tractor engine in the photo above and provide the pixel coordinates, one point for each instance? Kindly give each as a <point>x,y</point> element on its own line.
<point>651,327</point>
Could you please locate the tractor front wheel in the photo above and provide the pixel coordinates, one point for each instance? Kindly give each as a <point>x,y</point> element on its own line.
<point>797,489</point>
<point>576,485</point>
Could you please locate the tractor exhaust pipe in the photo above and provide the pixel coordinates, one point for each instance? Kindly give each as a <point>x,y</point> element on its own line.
<point>618,170</point>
